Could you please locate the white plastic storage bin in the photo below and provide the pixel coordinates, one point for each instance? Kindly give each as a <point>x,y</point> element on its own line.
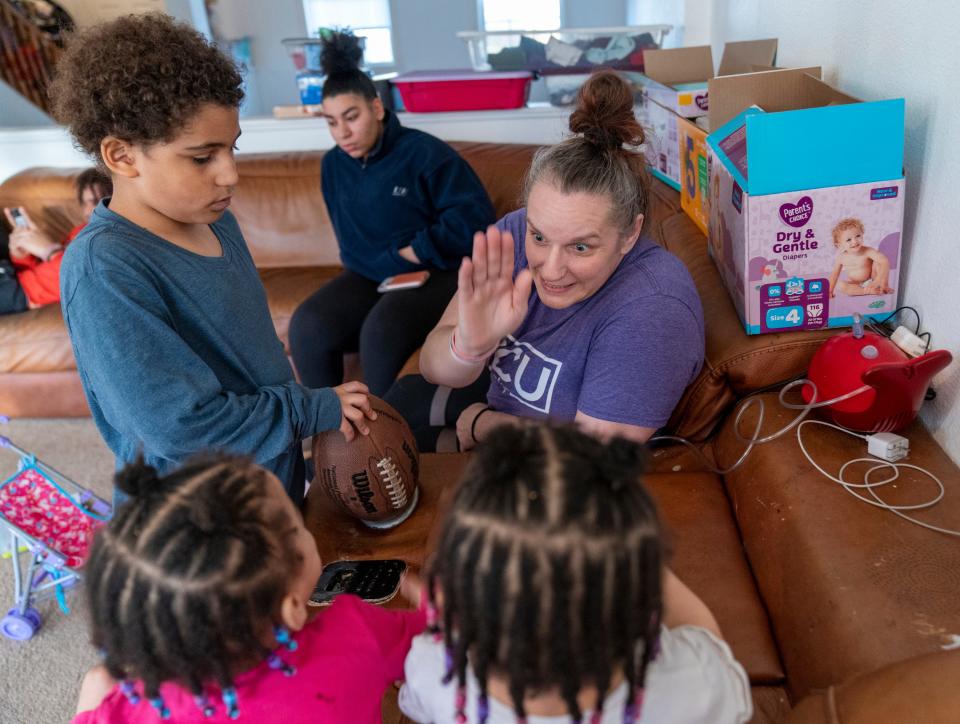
<point>562,89</point>
<point>565,50</point>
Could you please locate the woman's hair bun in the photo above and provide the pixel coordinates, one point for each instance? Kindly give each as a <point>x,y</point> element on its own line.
<point>137,478</point>
<point>341,53</point>
<point>604,112</point>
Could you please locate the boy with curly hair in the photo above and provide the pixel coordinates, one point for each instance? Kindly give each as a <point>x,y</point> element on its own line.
<point>168,318</point>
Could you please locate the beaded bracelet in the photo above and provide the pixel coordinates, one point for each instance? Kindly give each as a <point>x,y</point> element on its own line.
<point>468,359</point>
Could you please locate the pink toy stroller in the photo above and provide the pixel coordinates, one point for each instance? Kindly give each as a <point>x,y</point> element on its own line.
<point>52,518</point>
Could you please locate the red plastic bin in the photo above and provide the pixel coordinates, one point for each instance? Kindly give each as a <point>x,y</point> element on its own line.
<point>463,90</point>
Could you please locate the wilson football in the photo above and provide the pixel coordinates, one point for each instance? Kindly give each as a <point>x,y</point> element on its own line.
<point>373,477</point>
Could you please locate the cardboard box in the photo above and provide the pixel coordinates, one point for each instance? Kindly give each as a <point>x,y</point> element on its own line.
<point>675,85</point>
<point>802,174</point>
<point>694,161</point>
<point>694,172</point>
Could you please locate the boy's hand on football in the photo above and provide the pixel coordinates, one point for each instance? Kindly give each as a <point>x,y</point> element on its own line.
<point>355,409</point>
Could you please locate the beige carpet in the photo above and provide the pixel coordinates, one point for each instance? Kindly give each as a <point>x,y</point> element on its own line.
<point>40,677</point>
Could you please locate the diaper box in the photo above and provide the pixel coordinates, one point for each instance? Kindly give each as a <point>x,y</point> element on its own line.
<point>675,86</point>
<point>694,171</point>
<point>806,201</point>
<point>693,159</point>
<point>662,146</point>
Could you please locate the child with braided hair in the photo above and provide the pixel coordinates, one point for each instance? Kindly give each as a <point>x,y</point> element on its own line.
<point>550,601</point>
<point>198,591</point>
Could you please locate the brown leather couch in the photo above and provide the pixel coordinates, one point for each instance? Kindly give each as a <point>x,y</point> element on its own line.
<point>811,587</point>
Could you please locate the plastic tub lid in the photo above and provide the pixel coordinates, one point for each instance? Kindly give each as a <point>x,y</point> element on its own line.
<point>429,76</point>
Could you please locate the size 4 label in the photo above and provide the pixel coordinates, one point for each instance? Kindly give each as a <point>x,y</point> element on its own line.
<point>794,304</point>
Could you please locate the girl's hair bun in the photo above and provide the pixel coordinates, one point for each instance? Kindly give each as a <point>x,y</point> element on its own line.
<point>604,113</point>
<point>341,53</point>
<point>137,478</point>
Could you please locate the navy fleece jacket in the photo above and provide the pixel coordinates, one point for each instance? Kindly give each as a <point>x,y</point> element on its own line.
<point>177,352</point>
<point>411,190</point>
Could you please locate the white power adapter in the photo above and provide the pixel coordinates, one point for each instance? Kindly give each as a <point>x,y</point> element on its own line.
<point>908,341</point>
<point>887,446</point>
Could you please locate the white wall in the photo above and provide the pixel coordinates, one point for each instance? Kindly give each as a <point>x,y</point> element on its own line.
<point>593,14</point>
<point>891,49</point>
<point>16,111</point>
<point>419,45</point>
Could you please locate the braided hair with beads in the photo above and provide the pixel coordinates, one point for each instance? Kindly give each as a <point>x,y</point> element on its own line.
<point>186,580</point>
<point>548,569</point>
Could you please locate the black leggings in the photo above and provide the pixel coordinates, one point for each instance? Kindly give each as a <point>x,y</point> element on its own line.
<point>348,314</point>
<point>430,409</point>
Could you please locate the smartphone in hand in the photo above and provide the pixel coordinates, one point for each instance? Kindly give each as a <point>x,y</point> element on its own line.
<point>410,280</point>
<point>373,581</point>
<point>18,218</point>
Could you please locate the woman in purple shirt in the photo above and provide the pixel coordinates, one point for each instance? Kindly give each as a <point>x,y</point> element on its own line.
<point>575,314</point>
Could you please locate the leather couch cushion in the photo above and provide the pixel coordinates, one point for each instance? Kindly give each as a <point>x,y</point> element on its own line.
<point>49,196</point>
<point>281,211</point>
<point>923,689</point>
<point>42,394</point>
<point>280,207</point>
<point>287,288</point>
<point>708,556</point>
<point>735,363</point>
<point>848,587</point>
<point>770,704</point>
<point>35,341</point>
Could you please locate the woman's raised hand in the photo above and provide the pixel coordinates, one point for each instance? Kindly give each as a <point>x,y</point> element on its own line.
<point>491,304</point>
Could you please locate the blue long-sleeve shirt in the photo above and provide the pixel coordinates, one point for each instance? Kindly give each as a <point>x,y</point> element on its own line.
<point>177,352</point>
<point>412,189</point>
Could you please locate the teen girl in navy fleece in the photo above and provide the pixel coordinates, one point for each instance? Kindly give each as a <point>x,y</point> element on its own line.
<point>400,200</point>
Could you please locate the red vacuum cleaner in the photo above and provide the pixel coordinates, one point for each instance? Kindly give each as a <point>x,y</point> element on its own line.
<point>897,383</point>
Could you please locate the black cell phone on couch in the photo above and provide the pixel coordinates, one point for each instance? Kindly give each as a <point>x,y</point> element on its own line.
<point>373,581</point>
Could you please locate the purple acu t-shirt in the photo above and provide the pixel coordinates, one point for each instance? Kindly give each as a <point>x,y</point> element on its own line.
<point>624,354</point>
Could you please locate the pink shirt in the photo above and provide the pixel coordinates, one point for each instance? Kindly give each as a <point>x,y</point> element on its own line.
<point>345,659</point>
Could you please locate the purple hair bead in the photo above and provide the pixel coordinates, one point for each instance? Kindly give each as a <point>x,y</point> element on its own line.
<point>204,705</point>
<point>130,691</point>
<point>278,664</point>
<point>483,708</point>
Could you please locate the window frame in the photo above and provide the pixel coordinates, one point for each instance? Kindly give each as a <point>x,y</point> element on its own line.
<point>313,33</point>
<point>482,23</point>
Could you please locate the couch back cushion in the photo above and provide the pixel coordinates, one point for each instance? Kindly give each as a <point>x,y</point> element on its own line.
<point>278,201</point>
<point>735,364</point>
<point>280,206</point>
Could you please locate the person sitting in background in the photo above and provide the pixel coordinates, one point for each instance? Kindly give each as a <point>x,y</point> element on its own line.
<point>35,258</point>
<point>400,201</point>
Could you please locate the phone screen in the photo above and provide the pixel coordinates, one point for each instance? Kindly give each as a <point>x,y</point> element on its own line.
<point>374,581</point>
<point>18,218</point>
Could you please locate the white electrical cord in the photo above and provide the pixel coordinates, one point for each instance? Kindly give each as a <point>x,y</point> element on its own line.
<point>798,422</point>
<point>869,486</point>
<point>755,439</point>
